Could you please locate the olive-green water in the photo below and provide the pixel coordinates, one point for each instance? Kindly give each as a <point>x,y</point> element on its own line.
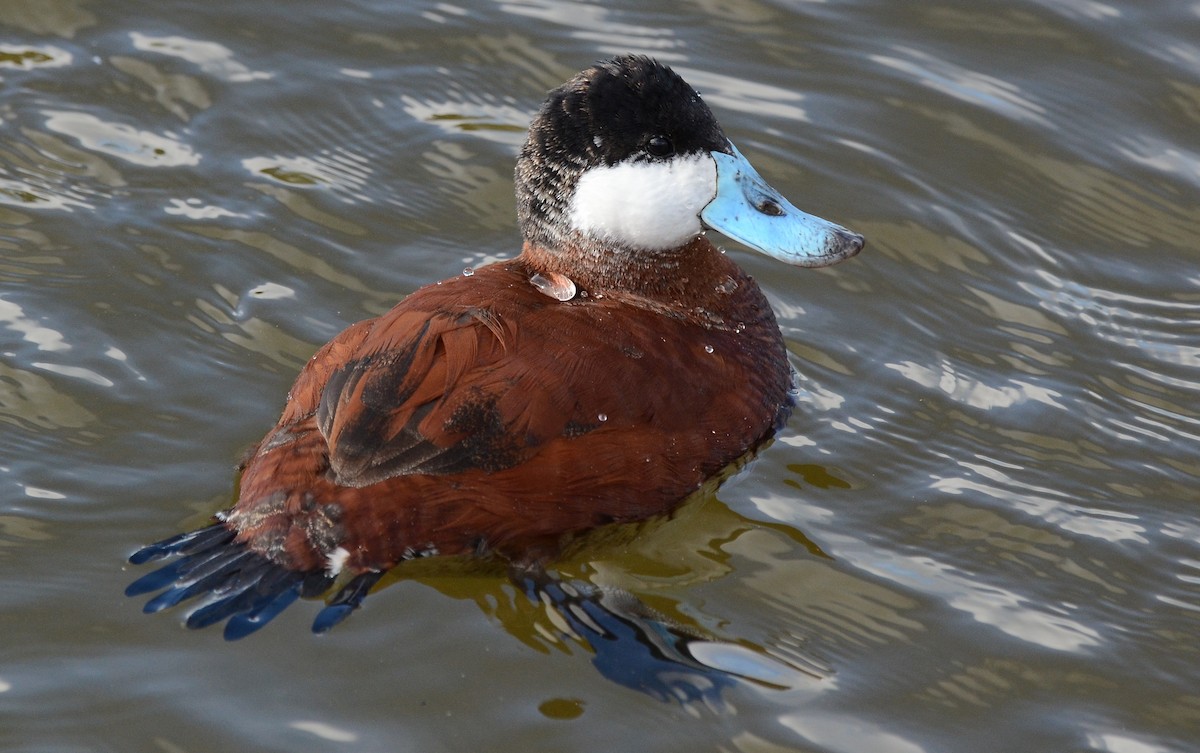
<point>980,530</point>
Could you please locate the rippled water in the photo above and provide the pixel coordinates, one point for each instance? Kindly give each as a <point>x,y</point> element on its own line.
<point>979,530</point>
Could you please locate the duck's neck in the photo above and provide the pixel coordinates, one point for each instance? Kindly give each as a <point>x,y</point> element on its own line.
<point>696,275</point>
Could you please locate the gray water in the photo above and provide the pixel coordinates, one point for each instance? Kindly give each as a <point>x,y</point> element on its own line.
<point>978,532</point>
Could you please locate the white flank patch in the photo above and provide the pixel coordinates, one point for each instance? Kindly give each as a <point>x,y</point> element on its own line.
<point>337,560</point>
<point>649,205</point>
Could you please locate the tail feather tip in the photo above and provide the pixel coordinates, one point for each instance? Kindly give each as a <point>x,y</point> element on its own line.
<point>239,586</point>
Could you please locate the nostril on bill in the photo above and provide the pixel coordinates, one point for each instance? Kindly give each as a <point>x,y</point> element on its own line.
<point>770,207</point>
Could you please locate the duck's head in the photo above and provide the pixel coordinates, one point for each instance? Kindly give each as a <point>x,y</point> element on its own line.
<point>625,162</point>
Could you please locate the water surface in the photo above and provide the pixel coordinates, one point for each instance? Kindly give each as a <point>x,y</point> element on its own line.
<point>978,531</point>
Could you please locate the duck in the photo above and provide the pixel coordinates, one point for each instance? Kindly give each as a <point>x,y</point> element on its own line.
<point>602,376</point>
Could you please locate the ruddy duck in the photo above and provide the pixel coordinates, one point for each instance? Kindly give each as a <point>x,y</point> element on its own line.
<point>601,376</point>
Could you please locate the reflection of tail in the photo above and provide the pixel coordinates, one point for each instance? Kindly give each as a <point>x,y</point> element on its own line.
<point>239,584</point>
<point>643,650</point>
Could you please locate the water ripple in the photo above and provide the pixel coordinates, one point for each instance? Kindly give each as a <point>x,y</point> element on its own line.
<point>122,141</point>
<point>30,56</point>
<point>988,91</point>
<point>212,58</point>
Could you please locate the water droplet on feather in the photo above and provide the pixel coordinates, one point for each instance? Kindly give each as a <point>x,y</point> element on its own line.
<point>558,287</point>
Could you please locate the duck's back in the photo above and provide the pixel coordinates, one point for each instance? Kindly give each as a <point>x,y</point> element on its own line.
<point>481,415</point>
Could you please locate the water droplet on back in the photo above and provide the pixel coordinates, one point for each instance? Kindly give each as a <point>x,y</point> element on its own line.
<point>558,287</point>
<point>468,271</point>
<point>727,286</point>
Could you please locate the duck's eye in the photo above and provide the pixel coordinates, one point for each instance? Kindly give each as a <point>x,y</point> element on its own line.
<point>660,146</point>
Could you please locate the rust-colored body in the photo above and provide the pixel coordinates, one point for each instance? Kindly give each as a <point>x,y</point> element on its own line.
<point>482,415</point>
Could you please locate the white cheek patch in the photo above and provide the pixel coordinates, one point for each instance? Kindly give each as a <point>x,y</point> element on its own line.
<point>648,205</point>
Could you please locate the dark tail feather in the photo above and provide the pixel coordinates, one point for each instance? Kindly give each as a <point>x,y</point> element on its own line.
<point>184,543</point>
<point>346,601</point>
<point>213,575</point>
<point>243,586</point>
<point>188,569</point>
<point>245,623</point>
<point>252,587</point>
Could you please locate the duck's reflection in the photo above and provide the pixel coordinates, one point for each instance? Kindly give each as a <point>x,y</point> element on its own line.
<point>641,649</point>
<point>657,651</point>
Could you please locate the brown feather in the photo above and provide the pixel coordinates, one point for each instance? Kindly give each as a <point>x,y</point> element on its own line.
<point>481,413</point>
